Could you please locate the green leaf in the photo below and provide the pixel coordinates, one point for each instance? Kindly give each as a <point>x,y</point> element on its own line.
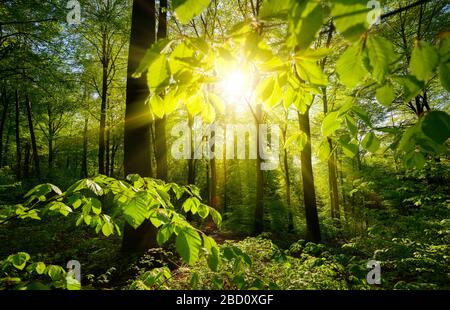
<point>158,74</point>
<point>40,268</point>
<point>436,125</point>
<point>324,150</point>
<point>94,187</point>
<point>185,10</point>
<point>381,55</point>
<point>55,272</point>
<point>313,54</point>
<point>274,9</point>
<point>136,211</point>
<point>213,259</point>
<point>19,260</point>
<point>60,207</point>
<point>411,86</point>
<point>194,104</point>
<point>385,95</point>
<point>164,234</point>
<point>151,55</point>
<point>370,142</point>
<point>350,17</point>
<point>265,89</point>
<point>350,149</point>
<point>208,113</point>
<point>157,105</point>
<point>107,229</point>
<point>351,125</point>
<point>424,60</point>
<point>305,21</point>
<point>188,244</point>
<point>203,211</point>
<point>414,159</point>
<point>96,205</point>
<point>362,115</point>
<point>72,284</point>
<point>331,123</point>
<point>311,72</point>
<point>444,75</point>
<point>217,218</point>
<point>299,138</point>
<point>350,66</point>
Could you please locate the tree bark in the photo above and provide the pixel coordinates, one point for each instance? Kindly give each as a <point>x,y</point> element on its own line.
<point>101,136</point>
<point>191,160</point>
<point>287,181</point>
<point>2,123</point>
<point>108,146</point>
<point>84,163</point>
<point>213,184</point>
<point>137,152</point>
<point>18,150</point>
<point>259,210</point>
<point>32,136</point>
<point>309,192</point>
<point>26,161</point>
<point>160,123</point>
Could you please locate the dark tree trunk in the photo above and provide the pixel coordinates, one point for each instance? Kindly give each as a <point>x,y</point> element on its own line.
<point>160,123</point>
<point>104,97</point>
<point>137,156</point>
<point>2,123</point>
<point>108,148</point>
<point>259,210</point>
<point>309,192</point>
<point>18,150</point>
<point>32,136</point>
<point>84,163</point>
<point>50,140</point>
<point>26,161</point>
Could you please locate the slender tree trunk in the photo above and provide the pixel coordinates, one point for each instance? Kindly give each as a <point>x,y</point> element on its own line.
<point>225,175</point>
<point>213,185</point>
<point>84,163</point>
<point>191,161</point>
<point>309,192</point>
<point>32,136</point>
<point>287,181</point>
<point>2,123</point>
<point>103,107</point>
<point>259,210</point>
<point>26,161</point>
<point>331,162</point>
<point>160,123</point>
<point>113,157</point>
<point>18,150</point>
<point>137,152</point>
<point>50,139</point>
<point>108,147</point>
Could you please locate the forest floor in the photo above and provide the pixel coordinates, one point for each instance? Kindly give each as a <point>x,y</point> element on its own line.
<point>408,231</point>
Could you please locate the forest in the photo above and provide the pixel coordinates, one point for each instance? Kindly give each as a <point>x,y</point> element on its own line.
<point>224,145</point>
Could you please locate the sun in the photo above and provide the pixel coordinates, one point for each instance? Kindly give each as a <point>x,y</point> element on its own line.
<point>236,88</point>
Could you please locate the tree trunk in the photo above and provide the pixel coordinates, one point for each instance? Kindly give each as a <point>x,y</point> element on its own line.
<point>84,163</point>
<point>108,147</point>
<point>137,156</point>
<point>26,161</point>
<point>287,180</point>
<point>213,185</point>
<point>32,136</point>
<point>309,193</point>
<point>18,150</point>
<point>259,210</point>
<point>2,123</point>
<point>191,160</point>
<point>101,136</point>
<point>160,123</point>
<point>225,178</point>
<point>50,140</point>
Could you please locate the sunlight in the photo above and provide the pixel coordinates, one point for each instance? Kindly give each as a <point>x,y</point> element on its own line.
<point>236,88</point>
